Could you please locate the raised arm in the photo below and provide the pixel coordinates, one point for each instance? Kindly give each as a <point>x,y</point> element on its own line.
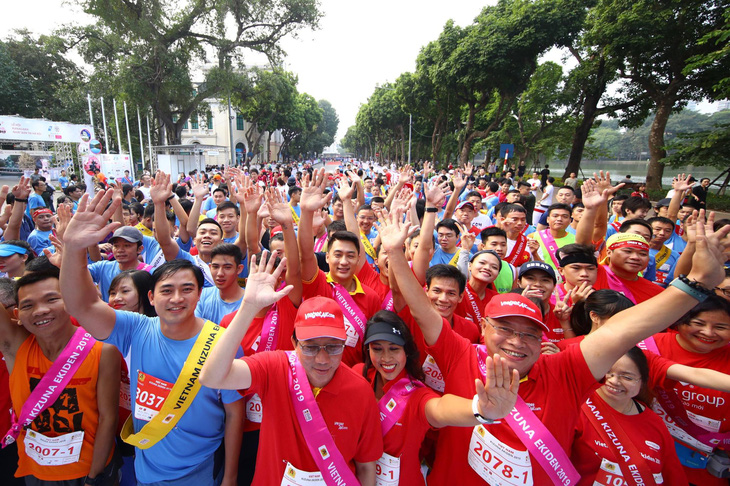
<point>313,199</point>
<point>394,234</point>
<point>405,176</point>
<point>459,181</point>
<point>595,194</point>
<point>280,210</point>
<point>602,348</point>
<point>249,197</point>
<point>684,264</point>
<point>680,184</point>
<point>345,190</point>
<point>222,369</point>
<point>21,191</point>
<point>88,226</point>
<point>182,216</point>
<point>422,256</point>
<point>200,190</point>
<point>160,192</point>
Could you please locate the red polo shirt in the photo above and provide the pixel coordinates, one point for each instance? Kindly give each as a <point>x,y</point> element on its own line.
<point>641,288</point>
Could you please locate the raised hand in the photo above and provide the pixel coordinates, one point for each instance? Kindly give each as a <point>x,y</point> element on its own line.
<point>251,195</point>
<point>90,224</point>
<point>468,169</point>
<point>63,217</point>
<point>345,189</point>
<point>435,194</point>
<point>427,169</point>
<point>161,188</point>
<point>354,177</point>
<point>198,186</point>
<point>691,227</point>
<point>467,238</point>
<point>261,283</point>
<point>546,347</point>
<point>498,393</point>
<point>4,193</point>
<point>393,232</point>
<point>581,292</point>
<point>563,308</point>
<point>533,246</point>
<point>711,250</point>
<point>604,184</point>
<point>593,197</point>
<point>22,190</point>
<point>400,201</point>
<point>279,208</point>
<point>55,257</point>
<point>681,183</point>
<point>459,180</point>
<point>313,197</point>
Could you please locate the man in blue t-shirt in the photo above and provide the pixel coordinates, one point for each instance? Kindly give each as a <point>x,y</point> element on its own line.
<point>39,238</point>
<point>35,199</point>
<point>127,245</point>
<point>158,348</point>
<point>226,296</point>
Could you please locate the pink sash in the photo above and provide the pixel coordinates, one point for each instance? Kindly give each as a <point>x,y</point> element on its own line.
<point>388,302</point>
<point>671,404</point>
<point>615,283</point>
<point>550,245</point>
<point>535,436</point>
<point>145,267</point>
<point>319,243</point>
<point>269,329</point>
<point>53,382</point>
<point>320,443</point>
<point>352,312</point>
<point>517,250</point>
<point>393,403</point>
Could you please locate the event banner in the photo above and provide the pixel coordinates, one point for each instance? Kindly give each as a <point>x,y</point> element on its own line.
<point>35,130</point>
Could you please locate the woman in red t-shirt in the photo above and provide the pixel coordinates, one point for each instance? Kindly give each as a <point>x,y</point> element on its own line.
<point>484,268</point>
<point>408,408</point>
<point>618,436</point>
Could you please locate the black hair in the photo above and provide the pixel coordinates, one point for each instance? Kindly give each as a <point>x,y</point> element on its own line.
<point>577,205</point>
<point>558,207</point>
<point>604,303</point>
<point>377,199</point>
<point>294,189</point>
<point>126,189</point>
<point>491,231</point>
<point>168,269</point>
<point>149,211</point>
<point>211,221</point>
<point>577,249</point>
<point>228,249</point>
<point>567,187</point>
<point>638,356</point>
<point>181,191</point>
<point>343,236</point>
<point>711,303</point>
<point>337,225</point>
<point>662,220</point>
<point>364,207</point>
<point>450,224</point>
<point>142,281</point>
<point>30,278</point>
<point>138,195</point>
<point>633,204</point>
<point>474,194</point>
<point>7,292</point>
<point>187,205</point>
<point>493,187</point>
<point>37,182</point>
<point>23,244</point>
<point>442,270</point>
<point>220,189</point>
<point>510,208</point>
<point>227,205</point>
<point>413,367</point>
<point>258,256</point>
<point>628,223</point>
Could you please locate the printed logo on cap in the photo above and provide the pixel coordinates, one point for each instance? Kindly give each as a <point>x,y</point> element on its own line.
<point>516,303</point>
<point>318,314</point>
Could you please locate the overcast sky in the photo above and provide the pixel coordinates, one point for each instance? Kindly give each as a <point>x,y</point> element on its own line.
<point>358,44</point>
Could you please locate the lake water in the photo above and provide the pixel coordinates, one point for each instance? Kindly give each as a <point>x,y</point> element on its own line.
<point>636,168</point>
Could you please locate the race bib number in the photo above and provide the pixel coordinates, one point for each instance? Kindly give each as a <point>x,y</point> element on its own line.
<point>496,462</point>
<point>53,451</point>
<point>352,335</point>
<point>434,378</point>
<point>387,470</point>
<point>678,433</point>
<point>295,477</point>
<point>125,396</point>
<point>254,412</point>
<point>609,475</point>
<point>151,394</point>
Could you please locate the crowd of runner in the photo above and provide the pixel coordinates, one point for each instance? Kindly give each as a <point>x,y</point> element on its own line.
<point>373,325</point>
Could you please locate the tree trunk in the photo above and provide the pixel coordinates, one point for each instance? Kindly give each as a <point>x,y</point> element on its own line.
<point>721,191</point>
<point>657,153</point>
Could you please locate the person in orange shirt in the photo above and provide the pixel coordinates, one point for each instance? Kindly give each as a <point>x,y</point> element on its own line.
<point>68,437</point>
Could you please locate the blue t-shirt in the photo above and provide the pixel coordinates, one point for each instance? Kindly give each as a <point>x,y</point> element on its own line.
<point>63,181</point>
<point>440,256</point>
<point>195,259</point>
<point>200,430</point>
<point>34,202</point>
<point>665,272</point>
<point>103,273</point>
<point>371,238</point>
<point>40,240</point>
<point>676,243</point>
<point>212,307</point>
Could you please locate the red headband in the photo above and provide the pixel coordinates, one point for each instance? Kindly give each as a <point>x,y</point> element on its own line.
<point>639,245</point>
<point>42,211</point>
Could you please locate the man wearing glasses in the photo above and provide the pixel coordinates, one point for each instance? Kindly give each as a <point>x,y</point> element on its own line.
<point>321,419</point>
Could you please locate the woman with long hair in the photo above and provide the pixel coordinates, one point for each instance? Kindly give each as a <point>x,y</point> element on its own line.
<point>129,291</point>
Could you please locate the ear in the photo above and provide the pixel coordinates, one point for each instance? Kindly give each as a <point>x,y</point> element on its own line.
<point>150,296</point>
<point>139,249</point>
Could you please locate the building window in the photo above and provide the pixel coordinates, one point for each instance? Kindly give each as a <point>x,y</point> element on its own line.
<point>210,121</point>
<point>239,122</point>
<point>194,122</point>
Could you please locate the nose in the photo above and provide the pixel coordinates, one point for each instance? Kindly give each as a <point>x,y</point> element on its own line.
<point>322,357</point>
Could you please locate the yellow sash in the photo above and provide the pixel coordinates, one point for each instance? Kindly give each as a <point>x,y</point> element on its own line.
<point>294,215</point>
<point>181,396</point>
<point>368,247</point>
<point>662,257</point>
<point>455,258</point>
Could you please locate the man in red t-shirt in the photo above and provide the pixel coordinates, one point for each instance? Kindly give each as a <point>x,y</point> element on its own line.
<point>309,384</point>
<point>628,255</point>
<point>554,386</point>
<point>343,253</point>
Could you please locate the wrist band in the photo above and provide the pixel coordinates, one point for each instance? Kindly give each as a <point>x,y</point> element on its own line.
<point>21,200</point>
<point>170,198</point>
<point>432,210</point>
<point>475,410</point>
<point>693,289</point>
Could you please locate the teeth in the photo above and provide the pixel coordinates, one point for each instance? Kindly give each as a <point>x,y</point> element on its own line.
<point>41,323</point>
<point>512,353</point>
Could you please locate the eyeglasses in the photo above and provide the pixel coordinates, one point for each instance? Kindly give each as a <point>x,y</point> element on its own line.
<point>508,332</point>
<point>313,350</point>
<point>623,377</point>
<point>724,291</point>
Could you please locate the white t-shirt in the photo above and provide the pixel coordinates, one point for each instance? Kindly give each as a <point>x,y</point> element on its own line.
<point>549,190</point>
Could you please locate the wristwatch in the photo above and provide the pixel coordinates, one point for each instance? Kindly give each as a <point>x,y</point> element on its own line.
<point>97,481</point>
<point>432,210</point>
<point>475,410</point>
<point>693,289</point>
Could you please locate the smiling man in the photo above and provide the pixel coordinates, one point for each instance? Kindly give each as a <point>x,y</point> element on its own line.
<point>533,439</point>
<point>321,418</point>
<point>178,434</point>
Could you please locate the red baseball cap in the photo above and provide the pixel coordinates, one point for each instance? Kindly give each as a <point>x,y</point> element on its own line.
<point>319,317</point>
<point>514,305</point>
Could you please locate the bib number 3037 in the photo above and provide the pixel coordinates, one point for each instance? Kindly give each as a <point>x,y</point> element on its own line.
<point>53,451</point>
<point>496,462</point>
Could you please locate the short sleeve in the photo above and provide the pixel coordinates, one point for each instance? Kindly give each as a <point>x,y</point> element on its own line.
<point>126,325</point>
